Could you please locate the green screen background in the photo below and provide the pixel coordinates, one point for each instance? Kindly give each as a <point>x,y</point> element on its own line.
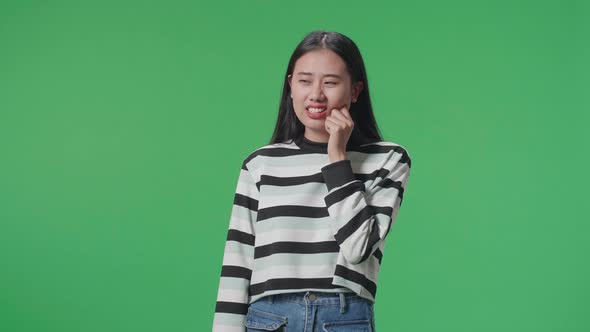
<point>123,125</point>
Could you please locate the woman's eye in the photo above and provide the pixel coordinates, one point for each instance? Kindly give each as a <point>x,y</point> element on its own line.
<point>306,82</point>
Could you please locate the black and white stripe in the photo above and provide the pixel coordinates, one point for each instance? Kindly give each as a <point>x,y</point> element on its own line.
<point>300,222</point>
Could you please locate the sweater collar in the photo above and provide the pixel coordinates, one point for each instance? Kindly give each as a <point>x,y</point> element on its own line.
<point>308,145</point>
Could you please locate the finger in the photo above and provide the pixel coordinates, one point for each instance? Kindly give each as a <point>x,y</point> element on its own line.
<point>338,121</point>
<point>332,124</point>
<point>338,114</point>
<point>346,121</point>
<point>346,112</point>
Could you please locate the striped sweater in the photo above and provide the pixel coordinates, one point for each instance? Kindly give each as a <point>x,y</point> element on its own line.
<point>300,222</point>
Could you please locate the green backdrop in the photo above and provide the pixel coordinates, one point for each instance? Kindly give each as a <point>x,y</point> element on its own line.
<point>123,126</point>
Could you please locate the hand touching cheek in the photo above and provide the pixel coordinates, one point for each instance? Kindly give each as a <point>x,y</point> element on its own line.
<point>339,125</point>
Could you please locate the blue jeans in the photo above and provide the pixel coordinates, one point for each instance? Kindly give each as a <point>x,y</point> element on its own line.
<point>311,311</point>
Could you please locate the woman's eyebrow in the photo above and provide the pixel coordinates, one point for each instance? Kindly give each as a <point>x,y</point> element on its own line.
<point>326,75</point>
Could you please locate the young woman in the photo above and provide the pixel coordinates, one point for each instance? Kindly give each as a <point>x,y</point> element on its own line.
<point>312,208</point>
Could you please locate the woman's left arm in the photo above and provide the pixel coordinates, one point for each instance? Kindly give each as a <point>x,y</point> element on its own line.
<point>361,218</point>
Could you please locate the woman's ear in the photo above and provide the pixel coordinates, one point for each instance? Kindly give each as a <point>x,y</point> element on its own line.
<point>357,88</point>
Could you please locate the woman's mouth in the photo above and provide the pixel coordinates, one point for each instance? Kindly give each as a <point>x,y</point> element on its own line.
<point>315,113</point>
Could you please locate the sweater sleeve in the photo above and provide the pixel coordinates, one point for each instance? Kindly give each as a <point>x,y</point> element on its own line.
<point>361,217</point>
<point>238,258</point>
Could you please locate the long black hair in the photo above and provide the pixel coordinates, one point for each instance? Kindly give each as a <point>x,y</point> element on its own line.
<point>288,126</point>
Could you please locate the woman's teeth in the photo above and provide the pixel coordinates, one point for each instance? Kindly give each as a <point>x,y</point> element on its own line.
<point>316,110</point>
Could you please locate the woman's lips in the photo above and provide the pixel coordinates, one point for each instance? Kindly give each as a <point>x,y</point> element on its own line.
<point>316,116</point>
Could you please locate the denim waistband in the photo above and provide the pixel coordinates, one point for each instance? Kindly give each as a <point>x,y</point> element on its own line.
<point>316,297</point>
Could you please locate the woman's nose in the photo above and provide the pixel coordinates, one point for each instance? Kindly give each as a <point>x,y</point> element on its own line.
<point>317,92</point>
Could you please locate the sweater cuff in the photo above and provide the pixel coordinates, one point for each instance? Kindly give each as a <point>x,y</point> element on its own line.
<point>338,173</point>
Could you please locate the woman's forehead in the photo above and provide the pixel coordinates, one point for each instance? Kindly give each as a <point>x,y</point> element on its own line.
<point>320,62</point>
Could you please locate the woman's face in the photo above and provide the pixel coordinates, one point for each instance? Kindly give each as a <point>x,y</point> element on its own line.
<point>320,79</point>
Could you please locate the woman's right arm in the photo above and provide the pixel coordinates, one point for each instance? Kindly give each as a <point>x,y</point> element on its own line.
<point>238,258</point>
